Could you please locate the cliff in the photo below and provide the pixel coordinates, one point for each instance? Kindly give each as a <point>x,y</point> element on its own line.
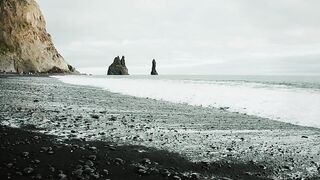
<point>25,45</point>
<point>154,68</point>
<point>118,67</point>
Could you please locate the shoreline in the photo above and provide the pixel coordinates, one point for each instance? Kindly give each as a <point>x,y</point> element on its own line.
<point>280,150</point>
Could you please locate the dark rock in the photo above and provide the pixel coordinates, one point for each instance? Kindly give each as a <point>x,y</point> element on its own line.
<point>305,137</point>
<point>9,165</point>
<point>166,173</point>
<point>94,116</point>
<point>106,172</point>
<point>77,172</point>
<point>176,177</point>
<point>56,70</point>
<point>195,176</point>
<point>25,154</point>
<point>28,170</point>
<point>146,161</point>
<point>154,66</point>
<point>119,161</point>
<point>62,176</point>
<point>118,67</point>
<point>92,157</point>
<point>89,163</point>
<point>38,176</point>
<point>88,170</point>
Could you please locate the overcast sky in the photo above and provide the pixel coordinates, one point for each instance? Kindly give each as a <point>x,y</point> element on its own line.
<point>188,36</point>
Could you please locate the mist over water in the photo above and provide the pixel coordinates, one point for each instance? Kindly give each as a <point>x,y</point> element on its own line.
<point>289,99</point>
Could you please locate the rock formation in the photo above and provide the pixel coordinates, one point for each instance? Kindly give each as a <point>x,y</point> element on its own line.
<point>25,45</point>
<point>154,70</point>
<point>118,67</point>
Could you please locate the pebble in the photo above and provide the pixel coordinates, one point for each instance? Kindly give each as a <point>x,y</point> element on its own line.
<point>88,170</point>
<point>19,173</point>
<point>92,157</point>
<point>62,176</point>
<point>195,176</point>
<point>176,177</point>
<point>305,137</point>
<point>166,173</point>
<point>89,163</point>
<point>106,172</point>
<point>142,171</point>
<point>25,154</point>
<point>146,161</point>
<point>28,170</point>
<point>93,148</point>
<point>119,161</point>
<point>94,116</point>
<point>9,165</point>
<point>38,176</point>
<point>78,172</point>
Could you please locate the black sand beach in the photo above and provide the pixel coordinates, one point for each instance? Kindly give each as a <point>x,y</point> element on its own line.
<point>76,132</point>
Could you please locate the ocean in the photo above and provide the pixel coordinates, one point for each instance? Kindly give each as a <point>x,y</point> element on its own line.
<point>291,99</point>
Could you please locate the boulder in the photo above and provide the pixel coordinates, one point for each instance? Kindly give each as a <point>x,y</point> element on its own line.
<point>118,67</point>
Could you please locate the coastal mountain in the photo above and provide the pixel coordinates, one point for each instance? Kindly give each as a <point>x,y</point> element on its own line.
<point>118,67</point>
<point>154,66</point>
<point>25,45</point>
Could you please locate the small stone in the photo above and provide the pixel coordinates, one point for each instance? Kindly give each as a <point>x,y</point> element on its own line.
<point>78,172</point>
<point>142,171</point>
<point>106,172</point>
<point>166,173</point>
<point>28,170</point>
<point>89,163</point>
<point>9,165</point>
<point>92,157</point>
<point>25,154</point>
<point>36,137</point>
<point>50,152</point>
<point>262,166</point>
<point>62,176</point>
<point>19,173</point>
<point>93,148</point>
<point>146,161</point>
<point>305,137</point>
<point>94,116</point>
<point>36,161</point>
<point>95,175</point>
<point>73,131</point>
<point>38,176</point>
<point>119,161</point>
<point>176,177</point>
<point>36,100</point>
<point>195,176</point>
<point>88,170</point>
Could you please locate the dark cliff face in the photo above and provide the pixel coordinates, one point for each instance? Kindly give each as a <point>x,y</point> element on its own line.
<point>25,45</point>
<point>154,70</point>
<point>118,67</point>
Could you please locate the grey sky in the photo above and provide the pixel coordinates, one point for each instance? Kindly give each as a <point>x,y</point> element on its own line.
<point>188,36</point>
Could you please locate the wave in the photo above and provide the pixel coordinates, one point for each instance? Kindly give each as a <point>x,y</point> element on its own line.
<point>289,104</point>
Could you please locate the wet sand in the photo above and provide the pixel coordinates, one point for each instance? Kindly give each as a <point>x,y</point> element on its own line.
<point>212,142</point>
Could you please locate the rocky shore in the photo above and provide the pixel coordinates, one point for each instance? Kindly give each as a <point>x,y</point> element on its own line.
<point>76,132</point>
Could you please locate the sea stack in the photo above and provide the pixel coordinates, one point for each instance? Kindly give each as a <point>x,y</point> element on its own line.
<point>154,66</point>
<point>25,45</point>
<point>118,67</point>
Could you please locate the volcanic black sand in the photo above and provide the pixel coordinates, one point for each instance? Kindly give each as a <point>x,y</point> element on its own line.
<point>96,134</point>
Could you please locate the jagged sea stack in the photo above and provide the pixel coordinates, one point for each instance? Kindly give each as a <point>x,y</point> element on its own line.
<point>25,45</point>
<point>154,66</point>
<point>118,67</point>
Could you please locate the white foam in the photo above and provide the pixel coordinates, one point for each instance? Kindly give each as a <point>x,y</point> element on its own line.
<point>293,105</point>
